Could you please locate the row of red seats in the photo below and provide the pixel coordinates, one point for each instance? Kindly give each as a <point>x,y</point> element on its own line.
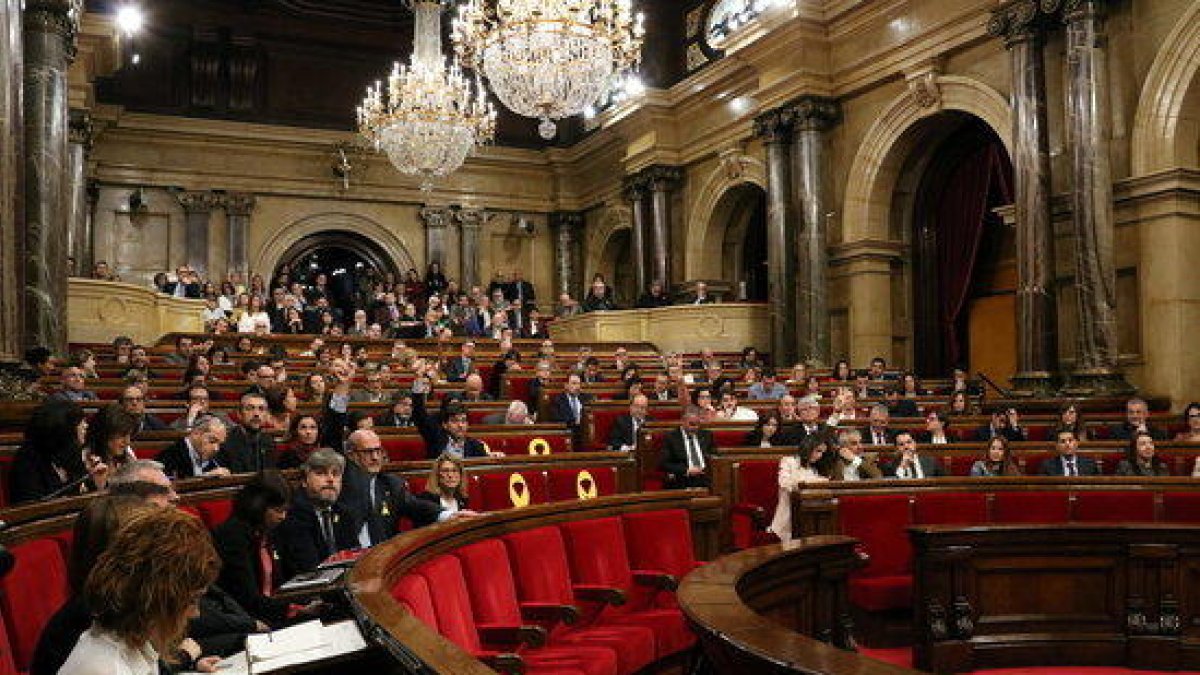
<point>499,490</point>
<point>600,591</point>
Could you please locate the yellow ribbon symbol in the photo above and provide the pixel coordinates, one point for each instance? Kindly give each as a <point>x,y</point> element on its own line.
<point>518,490</point>
<point>487,449</point>
<point>539,446</point>
<point>585,485</point>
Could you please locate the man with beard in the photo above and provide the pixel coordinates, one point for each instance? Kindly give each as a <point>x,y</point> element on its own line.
<point>317,525</point>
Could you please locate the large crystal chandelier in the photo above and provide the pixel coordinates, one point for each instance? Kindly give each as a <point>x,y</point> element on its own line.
<point>430,117</point>
<point>549,59</point>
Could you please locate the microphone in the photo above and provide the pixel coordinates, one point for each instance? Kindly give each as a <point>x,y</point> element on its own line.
<point>73,485</point>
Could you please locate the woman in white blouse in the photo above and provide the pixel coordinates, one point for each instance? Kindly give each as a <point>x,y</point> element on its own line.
<point>253,316</point>
<point>795,471</point>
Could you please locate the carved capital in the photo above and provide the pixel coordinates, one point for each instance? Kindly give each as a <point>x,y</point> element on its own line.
<point>56,17</point>
<point>240,203</point>
<point>435,218</point>
<point>1074,10</point>
<point>815,113</point>
<point>471,219</point>
<point>1019,21</point>
<point>635,187</point>
<point>662,178</point>
<point>776,126</point>
<point>567,220</point>
<point>80,129</point>
<point>925,90</point>
<point>734,162</point>
<point>198,201</point>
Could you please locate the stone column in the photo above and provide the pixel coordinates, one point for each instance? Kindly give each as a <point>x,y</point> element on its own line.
<point>568,267</point>
<point>1097,368</point>
<point>1019,24</point>
<point>12,183</point>
<point>636,191</point>
<point>79,217</point>
<point>470,222</point>
<point>662,181</point>
<point>49,48</point>
<point>238,207</point>
<point>813,116</point>
<point>436,221</point>
<point>197,212</point>
<point>776,128</point>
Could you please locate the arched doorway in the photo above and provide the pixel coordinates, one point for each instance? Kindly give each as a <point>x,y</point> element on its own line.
<point>350,261</point>
<point>616,264</point>
<point>743,211</point>
<point>963,256</point>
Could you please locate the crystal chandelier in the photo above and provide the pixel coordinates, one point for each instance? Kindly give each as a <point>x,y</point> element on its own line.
<point>549,59</point>
<point>429,118</point>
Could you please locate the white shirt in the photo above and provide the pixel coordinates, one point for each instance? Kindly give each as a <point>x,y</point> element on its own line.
<point>248,321</point>
<point>99,652</point>
<point>850,471</point>
<point>739,414</point>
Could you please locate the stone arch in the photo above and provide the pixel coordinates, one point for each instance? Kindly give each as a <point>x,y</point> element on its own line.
<point>707,219</point>
<point>1166,127</point>
<point>611,220</point>
<point>889,142</point>
<point>280,243</point>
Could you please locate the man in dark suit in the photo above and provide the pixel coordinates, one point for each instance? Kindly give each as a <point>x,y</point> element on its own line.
<point>911,464</point>
<point>186,284</point>
<point>1136,413</point>
<point>568,406</point>
<point>687,452</point>
<point>445,433</point>
<point>460,366</point>
<point>655,297</point>
<point>877,433</point>
<point>808,423</point>
<point>399,413</point>
<point>248,448</point>
<point>699,295</point>
<point>623,435</point>
<point>1067,463</point>
<point>1000,426</point>
<point>133,400</point>
<point>535,328</point>
<point>663,391</point>
<point>196,453</point>
<point>852,463</point>
<point>379,499</point>
<point>520,289</point>
<point>317,525</point>
<point>898,406</point>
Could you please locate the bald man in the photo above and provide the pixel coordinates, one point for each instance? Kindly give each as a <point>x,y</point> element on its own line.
<point>379,499</point>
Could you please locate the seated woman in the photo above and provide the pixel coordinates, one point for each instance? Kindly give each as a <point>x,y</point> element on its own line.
<point>842,372</point>
<point>446,486</point>
<point>997,461</point>
<point>1191,421</point>
<point>141,592</point>
<point>1141,458</point>
<point>703,399</point>
<point>959,404</point>
<point>51,460</point>
<point>794,471</point>
<point>303,438</point>
<point>281,407</point>
<point>766,432</point>
<point>1069,419</point>
<point>937,429</point>
<point>111,436</point>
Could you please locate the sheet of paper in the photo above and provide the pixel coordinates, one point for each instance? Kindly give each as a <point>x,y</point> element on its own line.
<point>336,639</point>
<point>301,637</point>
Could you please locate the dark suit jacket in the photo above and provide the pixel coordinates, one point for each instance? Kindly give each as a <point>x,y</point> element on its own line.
<point>675,461</point>
<point>1124,432</point>
<point>299,541</point>
<point>560,409</point>
<point>458,368</point>
<point>930,467</point>
<point>392,500</point>
<point>868,469</point>
<point>904,408</point>
<point>693,299</point>
<point>241,574</point>
<point>246,453</point>
<point>435,435</point>
<point>177,460</point>
<point>189,290</point>
<point>985,433</point>
<point>647,301</point>
<point>151,423</point>
<point>622,432</point>
<point>868,437</point>
<point>1085,466</point>
<point>527,293</point>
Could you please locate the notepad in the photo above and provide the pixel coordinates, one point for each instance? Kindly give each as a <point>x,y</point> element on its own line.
<point>316,579</point>
<point>305,643</point>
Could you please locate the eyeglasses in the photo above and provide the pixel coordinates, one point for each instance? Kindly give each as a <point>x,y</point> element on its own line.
<point>133,399</point>
<point>370,451</point>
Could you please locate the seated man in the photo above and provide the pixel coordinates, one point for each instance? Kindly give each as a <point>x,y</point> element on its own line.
<point>623,435</point>
<point>663,391</point>
<point>195,454</point>
<point>248,448</point>
<point>851,463</point>
<point>878,433</point>
<point>379,499</point>
<point>807,422</point>
<point>1136,413</point>
<point>472,391</point>
<point>654,297</point>
<point>768,388</point>
<point>898,406</point>
<point>445,433</point>
<point>399,413</point>
<point>1067,463</point>
<point>133,400</point>
<point>317,525</point>
<point>372,391</point>
<point>460,366</point>
<point>568,406</point>
<point>1000,426</point>
<point>686,453</point>
<point>74,386</point>
<point>731,409</point>
<point>911,464</point>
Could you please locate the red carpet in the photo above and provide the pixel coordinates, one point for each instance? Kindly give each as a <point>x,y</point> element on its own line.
<point>903,657</point>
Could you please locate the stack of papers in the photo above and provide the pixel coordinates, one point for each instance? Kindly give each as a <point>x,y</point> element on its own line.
<point>316,579</point>
<point>304,643</point>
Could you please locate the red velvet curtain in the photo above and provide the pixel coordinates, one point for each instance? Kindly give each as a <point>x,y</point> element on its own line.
<point>981,182</point>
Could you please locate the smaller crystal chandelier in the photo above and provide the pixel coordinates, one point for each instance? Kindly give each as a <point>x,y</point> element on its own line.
<point>549,59</point>
<point>429,118</point>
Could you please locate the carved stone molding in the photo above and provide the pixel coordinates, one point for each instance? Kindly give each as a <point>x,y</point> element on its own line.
<point>240,203</point>
<point>435,217</point>
<point>1018,21</point>
<point>733,162</point>
<point>776,126</point>
<point>635,187</point>
<point>199,201</point>
<point>60,17</point>
<point>662,178</point>
<point>569,220</point>
<point>815,113</point>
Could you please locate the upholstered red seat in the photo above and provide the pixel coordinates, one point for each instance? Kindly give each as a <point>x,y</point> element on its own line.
<point>506,490</point>
<point>403,448</point>
<point>755,494</point>
<point>528,444</point>
<point>31,593</point>
<point>596,551</point>
<point>951,508</point>
<point>1114,507</point>
<point>586,483</point>
<point>412,591</point>
<point>602,423</point>
<point>538,560</point>
<point>7,665</point>
<point>661,541</point>
<point>215,511</point>
<point>881,523</point>
<point>1031,507</point>
<point>960,465</point>
<point>1181,507</point>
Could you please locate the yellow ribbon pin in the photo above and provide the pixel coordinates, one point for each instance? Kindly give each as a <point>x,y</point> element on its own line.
<point>518,491</point>
<point>585,485</point>
<point>539,446</point>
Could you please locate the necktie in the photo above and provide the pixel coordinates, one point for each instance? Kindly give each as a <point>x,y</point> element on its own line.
<point>878,438</point>
<point>695,459</point>
<point>327,531</point>
<point>1070,462</point>
<point>575,408</point>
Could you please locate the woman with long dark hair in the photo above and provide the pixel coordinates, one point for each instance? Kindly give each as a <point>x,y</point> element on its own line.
<point>997,460</point>
<point>1141,458</point>
<point>51,458</point>
<point>248,572</point>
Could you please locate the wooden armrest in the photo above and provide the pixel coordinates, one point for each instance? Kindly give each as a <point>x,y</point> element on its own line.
<point>530,636</point>
<point>605,594</point>
<point>510,664</point>
<point>660,580</point>
<point>547,611</point>
<point>756,514</point>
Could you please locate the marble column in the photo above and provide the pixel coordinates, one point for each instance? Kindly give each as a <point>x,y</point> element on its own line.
<point>568,248</point>
<point>198,206</point>
<point>813,116</point>
<point>636,192</point>
<point>79,217</point>
<point>470,222</point>
<point>1020,25</point>
<point>776,128</point>
<point>1097,369</point>
<point>49,48</point>
<point>238,208</point>
<point>12,183</point>
<point>662,181</point>
<point>436,221</point>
